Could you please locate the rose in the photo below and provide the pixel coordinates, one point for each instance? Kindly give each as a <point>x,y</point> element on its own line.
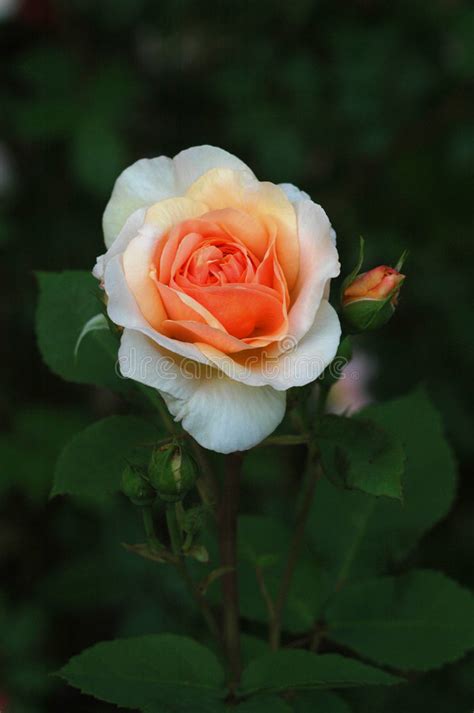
<point>221,284</point>
<point>369,300</point>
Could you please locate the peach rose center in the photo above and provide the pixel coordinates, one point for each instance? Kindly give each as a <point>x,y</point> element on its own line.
<point>208,279</point>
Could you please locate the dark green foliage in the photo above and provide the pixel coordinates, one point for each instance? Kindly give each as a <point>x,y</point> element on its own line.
<point>67,301</point>
<point>138,672</point>
<point>357,454</point>
<point>368,534</point>
<point>281,670</point>
<point>92,464</point>
<point>418,621</point>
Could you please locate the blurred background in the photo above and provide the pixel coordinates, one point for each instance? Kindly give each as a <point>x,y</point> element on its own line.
<point>364,104</point>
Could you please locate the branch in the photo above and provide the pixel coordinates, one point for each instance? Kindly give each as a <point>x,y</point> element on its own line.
<point>227,525</point>
<point>314,473</point>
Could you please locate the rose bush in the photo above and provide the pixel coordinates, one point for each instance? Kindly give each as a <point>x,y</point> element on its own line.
<point>221,285</point>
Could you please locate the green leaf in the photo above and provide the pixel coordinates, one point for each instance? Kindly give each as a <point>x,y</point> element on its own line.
<point>358,454</point>
<point>319,702</point>
<point>67,301</point>
<point>263,704</point>
<point>185,701</point>
<point>91,464</point>
<point>162,669</point>
<point>46,431</point>
<point>416,621</point>
<point>297,669</point>
<point>357,535</point>
<point>252,647</point>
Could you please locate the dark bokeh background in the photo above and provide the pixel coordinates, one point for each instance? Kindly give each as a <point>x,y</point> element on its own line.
<point>363,104</point>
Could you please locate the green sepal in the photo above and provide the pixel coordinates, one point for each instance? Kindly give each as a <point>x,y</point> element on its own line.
<point>172,472</point>
<point>352,275</point>
<point>136,487</point>
<point>367,314</point>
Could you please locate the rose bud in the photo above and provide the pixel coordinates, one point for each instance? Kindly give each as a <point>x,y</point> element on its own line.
<point>135,487</point>
<point>172,472</point>
<point>369,299</point>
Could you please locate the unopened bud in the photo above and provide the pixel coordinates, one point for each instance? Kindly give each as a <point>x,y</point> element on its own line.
<point>135,487</point>
<point>172,472</point>
<point>369,298</point>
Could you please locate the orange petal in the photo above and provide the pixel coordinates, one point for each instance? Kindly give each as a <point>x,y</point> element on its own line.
<point>180,306</point>
<point>136,266</point>
<point>196,332</point>
<point>244,310</point>
<point>243,227</point>
<point>224,188</point>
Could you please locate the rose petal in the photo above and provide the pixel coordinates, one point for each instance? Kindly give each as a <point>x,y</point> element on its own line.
<point>197,332</point>
<point>151,180</point>
<point>128,232</point>
<point>143,183</point>
<point>300,365</point>
<point>123,310</point>
<point>293,193</point>
<point>137,258</point>
<point>319,263</point>
<point>244,310</point>
<point>192,163</point>
<point>223,188</point>
<point>221,414</point>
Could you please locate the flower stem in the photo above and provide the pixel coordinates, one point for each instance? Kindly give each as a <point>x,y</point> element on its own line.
<point>227,525</point>
<point>206,483</point>
<point>199,598</point>
<point>176,546</point>
<point>173,528</point>
<point>149,528</point>
<point>313,474</point>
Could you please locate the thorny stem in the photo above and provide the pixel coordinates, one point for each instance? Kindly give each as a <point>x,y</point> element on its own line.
<point>227,525</point>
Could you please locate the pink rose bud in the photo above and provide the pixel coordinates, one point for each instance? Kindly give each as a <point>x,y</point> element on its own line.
<point>369,299</point>
<point>376,284</point>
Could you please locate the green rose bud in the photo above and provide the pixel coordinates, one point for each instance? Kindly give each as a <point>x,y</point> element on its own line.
<point>172,472</point>
<point>135,487</point>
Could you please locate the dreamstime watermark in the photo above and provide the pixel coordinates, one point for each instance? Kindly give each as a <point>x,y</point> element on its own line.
<point>286,365</point>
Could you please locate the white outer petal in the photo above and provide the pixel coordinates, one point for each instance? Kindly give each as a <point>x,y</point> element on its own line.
<point>129,231</point>
<point>191,164</point>
<point>319,263</point>
<point>143,183</point>
<point>314,353</point>
<point>293,193</point>
<point>221,414</point>
<point>148,181</point>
